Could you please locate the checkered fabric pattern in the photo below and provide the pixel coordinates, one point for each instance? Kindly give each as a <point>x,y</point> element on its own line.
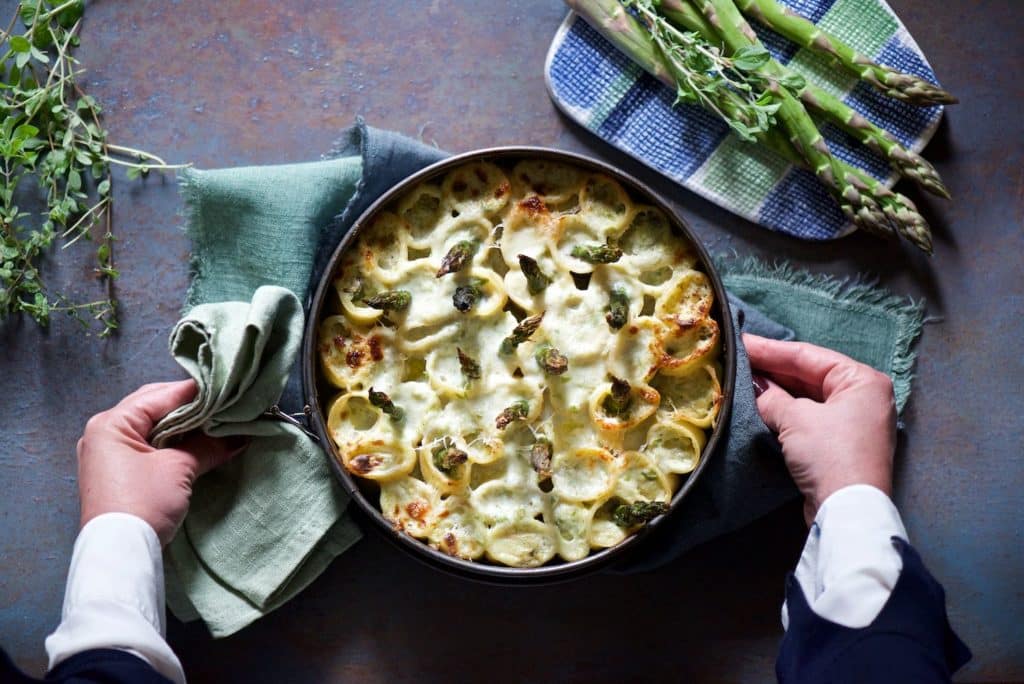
<point>601,89</point>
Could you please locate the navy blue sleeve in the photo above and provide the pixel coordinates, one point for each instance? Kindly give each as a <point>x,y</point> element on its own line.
<point>910,640</point>
<point>98,666</point>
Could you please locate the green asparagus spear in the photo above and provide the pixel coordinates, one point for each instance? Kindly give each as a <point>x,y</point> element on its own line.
<point>517,411</point>
<point>870,206</point>
<point>906,87</point>
<point>521,333</point>
<point>382,401</point>
<point>393,300</point>
<point>470,367</point>
<point>893,211</point>
<point>908,164</point>
<point>540,457</point>
<point>447,457</point>
<point>551,360</point>
<point>465,296</point>
<point>597,254</point>
<point>457,257</point>
<point>856,203</point>
<point>618,307</point>
<point>536,281</point>
<point>619,400</point>
<point>639,513</point>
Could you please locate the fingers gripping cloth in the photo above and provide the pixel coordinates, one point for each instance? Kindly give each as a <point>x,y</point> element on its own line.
<point>263,526</point>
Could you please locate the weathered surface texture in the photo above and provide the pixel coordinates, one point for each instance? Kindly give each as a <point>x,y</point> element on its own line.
<point>256,82</point>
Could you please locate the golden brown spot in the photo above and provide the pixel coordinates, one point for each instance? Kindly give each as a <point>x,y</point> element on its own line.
<point>501,190</point>
<point>633,330</point>
<point>417,510</point>
<point>339,341</point>
<point>480,174</point>
<point>459,186</point>
<point>376,349</point>
<point>533,204</point>
<point>364,463</point>
<point>354,358</point>
<point>648,394</point>
<point>451,544</point>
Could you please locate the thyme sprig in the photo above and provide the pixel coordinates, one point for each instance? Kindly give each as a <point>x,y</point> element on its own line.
<point>730,86</point>
<point>50,132</point>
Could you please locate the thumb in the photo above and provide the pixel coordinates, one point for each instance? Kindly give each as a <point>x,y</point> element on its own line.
<point>147,405</point>
<point>211,452</point>
<point>772,403</point>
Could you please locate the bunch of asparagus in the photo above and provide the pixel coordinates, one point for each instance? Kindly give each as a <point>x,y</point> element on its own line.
<point>707,51</point>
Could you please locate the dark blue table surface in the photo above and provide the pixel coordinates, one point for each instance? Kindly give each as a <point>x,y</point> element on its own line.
<point>258,82</point>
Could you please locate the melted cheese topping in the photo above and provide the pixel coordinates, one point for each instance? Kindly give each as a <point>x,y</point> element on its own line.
<point>518,453</point>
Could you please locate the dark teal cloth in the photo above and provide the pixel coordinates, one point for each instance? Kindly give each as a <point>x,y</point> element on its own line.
<point>270,226</point>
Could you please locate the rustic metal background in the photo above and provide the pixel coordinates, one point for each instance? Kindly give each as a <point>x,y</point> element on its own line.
<point>256,82</point>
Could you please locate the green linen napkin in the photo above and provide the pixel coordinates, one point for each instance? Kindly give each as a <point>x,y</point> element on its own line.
<point>263,526</point>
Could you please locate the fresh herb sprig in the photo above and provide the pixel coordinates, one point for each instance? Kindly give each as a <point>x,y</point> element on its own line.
<point>729,86</point>
<point>51,132</point>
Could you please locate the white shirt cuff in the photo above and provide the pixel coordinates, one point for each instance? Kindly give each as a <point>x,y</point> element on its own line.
<point>849,566</point>
<point>115,595</point>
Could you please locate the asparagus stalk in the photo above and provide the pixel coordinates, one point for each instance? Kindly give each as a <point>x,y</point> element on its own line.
<point>625,32</point>
<point>517,411</point>
<point>520,333</point>
<point>551,361</point>
<point>465,296</point>
<point>784,21</point>
<point>394,300</point>
<point>447,457</point>
<point>638,513</point>
<point>618,307</point>
<point>457,257</point>
<point>597,254</point>
<point>908,164</point>
<point>382,401</point>
<point>855,197</point>
<point>469,366</point>
<point>800,128</point>
<point>536,281</point>
<point>619,400</point>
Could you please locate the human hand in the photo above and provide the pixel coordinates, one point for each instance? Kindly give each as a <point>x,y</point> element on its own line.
<point>118,470</point>
<point>835,417</point>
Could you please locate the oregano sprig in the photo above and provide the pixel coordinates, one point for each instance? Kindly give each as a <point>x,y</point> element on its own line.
<point>51,133</point>
<point>731,87</point>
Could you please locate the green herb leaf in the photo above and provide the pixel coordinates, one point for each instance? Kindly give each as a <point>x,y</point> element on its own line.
<point>750,58</point>
<point>793,82</point>
<point>20,44</point>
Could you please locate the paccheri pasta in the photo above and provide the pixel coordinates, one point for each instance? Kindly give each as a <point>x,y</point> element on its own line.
<point>525,362</point>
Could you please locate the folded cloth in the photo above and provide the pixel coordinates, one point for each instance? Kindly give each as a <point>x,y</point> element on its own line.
<point>262,527</point>
<point>272,226</point>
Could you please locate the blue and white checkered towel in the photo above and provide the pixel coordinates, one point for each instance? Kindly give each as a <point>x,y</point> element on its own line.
<point>600,88</point>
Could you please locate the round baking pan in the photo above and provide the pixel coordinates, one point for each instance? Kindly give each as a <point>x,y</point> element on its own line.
<point>364,493</point>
